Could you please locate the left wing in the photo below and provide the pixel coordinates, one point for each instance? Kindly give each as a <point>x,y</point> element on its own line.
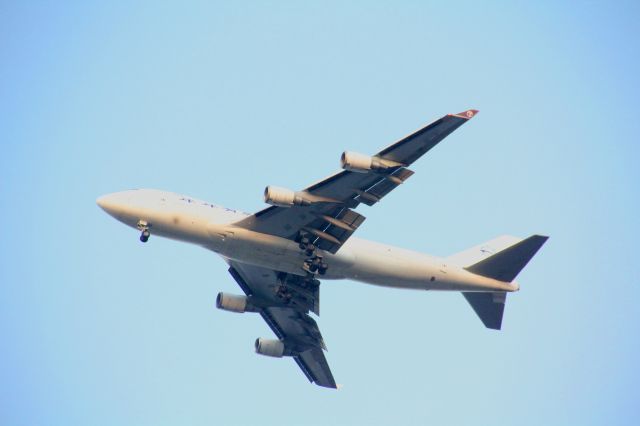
<point>324,211</point>
<point>283,301</point>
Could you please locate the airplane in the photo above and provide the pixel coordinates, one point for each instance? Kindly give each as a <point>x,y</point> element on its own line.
<point>278,255</point>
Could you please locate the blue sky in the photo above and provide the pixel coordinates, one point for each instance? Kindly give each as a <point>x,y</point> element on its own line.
<point>217,101</point>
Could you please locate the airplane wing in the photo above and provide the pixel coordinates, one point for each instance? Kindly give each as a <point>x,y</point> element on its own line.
<point>327,216</point>
<point>332,221</point>
<point>283,301</point>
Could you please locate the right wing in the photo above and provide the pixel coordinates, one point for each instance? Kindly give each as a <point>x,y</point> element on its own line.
<point>332,221</point>
<point>284,301</point>
<point>329,222</point>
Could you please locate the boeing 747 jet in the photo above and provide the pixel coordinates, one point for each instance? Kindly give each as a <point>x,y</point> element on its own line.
<point>279,255</point>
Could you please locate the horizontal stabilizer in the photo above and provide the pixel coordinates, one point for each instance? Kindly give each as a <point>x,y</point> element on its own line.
<point>507,264</point>
<point>488,306</point>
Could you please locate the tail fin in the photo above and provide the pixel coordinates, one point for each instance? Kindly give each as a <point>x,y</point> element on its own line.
<point>506,262</point>
<point>475,254</point>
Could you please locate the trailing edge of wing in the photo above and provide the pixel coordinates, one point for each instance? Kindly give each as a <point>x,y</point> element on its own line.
<point>314,365</point>
<point>289,322</point>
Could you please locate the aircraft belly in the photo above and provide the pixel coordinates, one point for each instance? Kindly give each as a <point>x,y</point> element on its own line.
<point>269,251</point>
<point>360,260</point>
<point>389,266</point>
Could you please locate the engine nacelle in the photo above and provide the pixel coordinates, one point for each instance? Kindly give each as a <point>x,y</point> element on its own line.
<point>355,162</point>
<point>360,163</point>
<point>283,197</point>
<point>270,347</point>
<point>233,303</point>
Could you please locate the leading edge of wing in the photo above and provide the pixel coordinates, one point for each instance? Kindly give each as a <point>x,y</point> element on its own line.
<point>464,115</point>
<point>451,122</point>
<point>434,133</point>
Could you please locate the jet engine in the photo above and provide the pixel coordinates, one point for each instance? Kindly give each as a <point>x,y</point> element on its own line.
<point>355,162</point>
<point>283,197</point>
<point>270,347</point>
<point>361,163</point>
<point>233,303</point>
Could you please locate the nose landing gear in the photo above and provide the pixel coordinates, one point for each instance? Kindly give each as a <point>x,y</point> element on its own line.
<point>144,227</point>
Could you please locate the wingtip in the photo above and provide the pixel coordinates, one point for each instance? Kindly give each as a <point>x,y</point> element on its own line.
<point>467,115</point>
<point>542,238</point>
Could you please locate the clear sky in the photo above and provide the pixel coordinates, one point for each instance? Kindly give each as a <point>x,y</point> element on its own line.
<point>217,100</point>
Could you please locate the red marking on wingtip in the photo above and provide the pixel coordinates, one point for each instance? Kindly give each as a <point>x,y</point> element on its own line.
<point>468,114</point>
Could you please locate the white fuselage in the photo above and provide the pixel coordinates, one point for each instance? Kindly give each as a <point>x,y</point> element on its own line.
<point>186,219</point>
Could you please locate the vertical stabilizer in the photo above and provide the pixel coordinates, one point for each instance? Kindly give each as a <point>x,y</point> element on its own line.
<point>507,264</point>
<point>480,252</point>
<point>502,259</point>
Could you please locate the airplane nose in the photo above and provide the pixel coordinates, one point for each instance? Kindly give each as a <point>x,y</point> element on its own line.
<point>102,202</point>
<point>110,203</point>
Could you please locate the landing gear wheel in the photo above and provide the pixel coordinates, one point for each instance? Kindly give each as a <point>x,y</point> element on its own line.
<point>144,237</point>
<point>304,242</point>
<point>314,263</point>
